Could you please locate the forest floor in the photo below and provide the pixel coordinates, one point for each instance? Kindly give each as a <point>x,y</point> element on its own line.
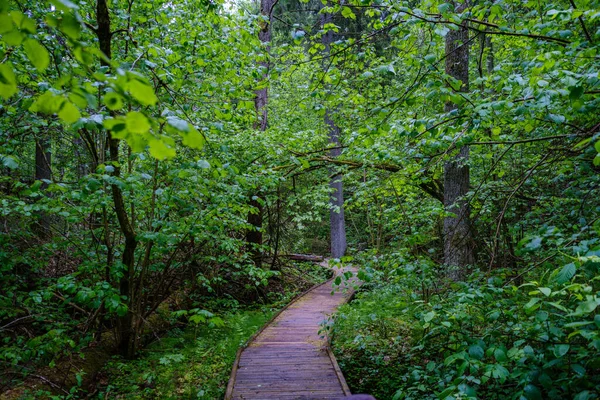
<point>195,362</point>
<point>187,361</point>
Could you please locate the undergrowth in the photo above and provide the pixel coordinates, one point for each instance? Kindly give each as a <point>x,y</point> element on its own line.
<point>191,363</point>
<point>409,334</point>
<point>194,362</point>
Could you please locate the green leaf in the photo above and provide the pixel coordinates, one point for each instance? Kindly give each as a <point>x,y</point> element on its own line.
<point>445,7</point>
<point>545,291</point>
<point>499,372</point>
<point>532,304</point>
<point>37,54</point>
<point>578,369</point>
<point>65,5</point>
<point>454,357</point>
<point>386,70</point>
<point>575,92</point>
<point>14,37</point>
<point>71,27</point>
<point>196,319</point>
<point>431,58</point>
<point>113,101</point>
<point>541,316</point>
<point>533,244</point>
<point>114,124</point>
<point>122,310</point>
<point>566,273</point>
<point>347,13</point>
<point>586,307</point>
<point>446,392</point>
<point>193,139</point>
<point>476,352</point>
<point>9,162</point>
<point>585,395</point>
<point>179,124</point>
<point>24,23</point>
<point>560,350</point>
<point>203,164</point>
<point>429,316</point>
<point>142,92</point>
<point>456,84</point>
<point>136,122</point>
<point>6,23</point>
<point>532,393</point>
<point>557,119</point>
<point>162,148</point>
<point>8,81</point>
<point>500,355</point>
<point>47,103</point>
<point>69,113</point>
<point>216,322</point>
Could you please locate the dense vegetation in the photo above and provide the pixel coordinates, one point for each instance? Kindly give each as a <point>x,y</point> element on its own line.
<point>160,159</point>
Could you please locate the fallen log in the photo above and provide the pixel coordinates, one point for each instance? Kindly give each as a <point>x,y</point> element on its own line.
<point>303,257</point>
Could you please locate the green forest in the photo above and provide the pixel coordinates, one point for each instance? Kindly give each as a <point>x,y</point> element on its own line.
<point>172,169</point>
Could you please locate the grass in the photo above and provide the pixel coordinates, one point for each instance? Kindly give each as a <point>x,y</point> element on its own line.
<point>195,362</point>
<point>189,364</point>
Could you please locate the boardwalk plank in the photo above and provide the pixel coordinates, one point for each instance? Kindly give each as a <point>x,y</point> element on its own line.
<point>289,359</point>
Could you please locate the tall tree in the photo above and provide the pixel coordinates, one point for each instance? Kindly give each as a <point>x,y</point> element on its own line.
<point>458,247</point>
<point>336,199</point>
<point>254,237</point>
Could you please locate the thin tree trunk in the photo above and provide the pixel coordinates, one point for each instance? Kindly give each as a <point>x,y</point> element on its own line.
<point>254,236</point>
<point>490,57</point>
<point>125,323</point>
<point>43,172</point>
<point>458,246</point>
<point>336,199</point>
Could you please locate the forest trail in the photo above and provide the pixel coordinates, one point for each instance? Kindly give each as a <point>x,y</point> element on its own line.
<point>289,359</point>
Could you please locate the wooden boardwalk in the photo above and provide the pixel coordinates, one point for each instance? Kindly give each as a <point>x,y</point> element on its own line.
<point>288,359</point>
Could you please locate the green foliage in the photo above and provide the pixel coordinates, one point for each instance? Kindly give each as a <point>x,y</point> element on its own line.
<point>192,364</point>
<point>158,146</point>
<point>486,338</point>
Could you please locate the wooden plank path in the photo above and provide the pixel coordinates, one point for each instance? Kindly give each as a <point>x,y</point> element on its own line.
<point>288,358</point>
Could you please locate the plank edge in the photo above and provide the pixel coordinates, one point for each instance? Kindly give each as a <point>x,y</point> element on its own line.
<point>231,383</point>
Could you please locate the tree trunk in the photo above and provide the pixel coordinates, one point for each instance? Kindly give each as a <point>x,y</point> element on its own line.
<point>458,246</point>
<point>336,199</point>
<point>43,172</point>
<point>125,323</point>
<point>264,35</point>
<point>254,236</point>
<point>490,57</point>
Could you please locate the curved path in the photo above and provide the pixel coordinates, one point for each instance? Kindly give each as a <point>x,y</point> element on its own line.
<point>288,358</point>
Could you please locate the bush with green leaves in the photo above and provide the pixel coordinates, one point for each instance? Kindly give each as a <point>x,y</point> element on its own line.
<point>486,338</point>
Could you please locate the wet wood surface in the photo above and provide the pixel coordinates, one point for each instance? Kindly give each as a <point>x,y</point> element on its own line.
<point>290,358</point>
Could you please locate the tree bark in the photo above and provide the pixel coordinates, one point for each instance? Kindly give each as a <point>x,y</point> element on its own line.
<point>43,172</point>
<point>264,35</point>
<point>337,221</point>
<point>125,323</point>
<point>458,246</point>
<point>254,236</point>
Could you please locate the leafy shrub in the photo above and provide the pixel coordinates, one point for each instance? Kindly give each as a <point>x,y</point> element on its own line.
<point>486,338</point>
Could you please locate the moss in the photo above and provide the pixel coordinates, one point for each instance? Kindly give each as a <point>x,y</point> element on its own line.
<point>184,364</point>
